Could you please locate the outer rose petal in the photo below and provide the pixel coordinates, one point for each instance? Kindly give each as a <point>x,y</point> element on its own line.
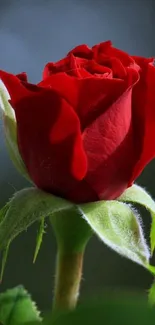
<point>22,76</point>
<point>109,145</point>
<point>144,116</point>
<point>49,136</point>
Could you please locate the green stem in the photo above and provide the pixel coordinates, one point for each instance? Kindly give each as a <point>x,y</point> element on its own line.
<point>67,282</point>
<point>72,234</point>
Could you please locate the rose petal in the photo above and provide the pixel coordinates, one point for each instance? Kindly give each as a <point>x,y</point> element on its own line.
<point>101,48</point>
<point>49,136</point>
<point>109,145</point>
<point>85,94</point>
<point>144,116</point>
<point>96,68</point>
<point>114,64</point>
<point>82,51</point>
<point>107,49</point>
<point>17,89</point>
<point>22,76</point>
<point>67,65</point>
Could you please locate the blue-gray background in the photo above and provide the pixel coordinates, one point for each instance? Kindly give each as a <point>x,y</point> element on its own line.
<point>31,34</point>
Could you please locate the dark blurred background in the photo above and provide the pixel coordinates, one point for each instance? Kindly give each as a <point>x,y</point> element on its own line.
<point>31,34</point>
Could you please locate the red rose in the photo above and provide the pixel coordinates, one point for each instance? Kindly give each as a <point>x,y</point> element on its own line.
<point>85,131</point>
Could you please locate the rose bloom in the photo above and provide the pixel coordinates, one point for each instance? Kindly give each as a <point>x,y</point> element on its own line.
<point>87,130</point>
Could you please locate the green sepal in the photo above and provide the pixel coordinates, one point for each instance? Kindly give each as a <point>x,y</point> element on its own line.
<point>137,194</point>
<point>4,260</point>
<point>3,212</point>
<point>39,238</point>
<point>17,308</point>
<point>10,129</point>
<point>151,295</point>
<point>152,234</point>
<point>151,269</point>
<point>26,207</point>
<point>118,226</point>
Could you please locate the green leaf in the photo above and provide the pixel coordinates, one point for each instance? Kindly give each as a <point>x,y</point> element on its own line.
<point>151,295</point>
<point>39,238</point>
<point>17,308</point>
<point>26,207</point>
<point>119,227</point>
<point>136,194</point>
<point>10,128</point>
<point>110,310</point>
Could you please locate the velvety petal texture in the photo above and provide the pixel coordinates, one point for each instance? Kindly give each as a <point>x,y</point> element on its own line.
<point>143,110</point>
<point>49,136</point>
<point>87,129</point>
